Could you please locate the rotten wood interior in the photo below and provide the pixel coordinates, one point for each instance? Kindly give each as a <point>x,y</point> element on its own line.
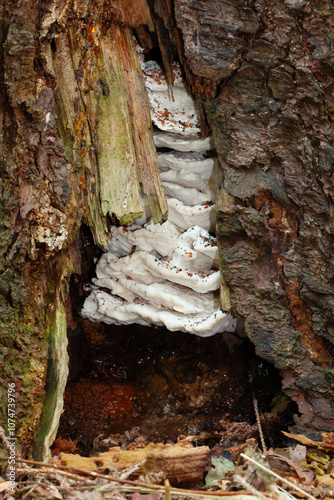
<point>162,385</point>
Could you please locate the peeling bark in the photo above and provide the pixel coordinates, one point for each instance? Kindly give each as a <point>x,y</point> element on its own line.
<point>76,144</point>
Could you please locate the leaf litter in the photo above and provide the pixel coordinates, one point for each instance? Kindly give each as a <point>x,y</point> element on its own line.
<point>244,472</point>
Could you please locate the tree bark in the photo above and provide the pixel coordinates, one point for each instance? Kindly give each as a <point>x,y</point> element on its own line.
<point>262,73</point>
<point>77,146</point>
<point>272,119</point>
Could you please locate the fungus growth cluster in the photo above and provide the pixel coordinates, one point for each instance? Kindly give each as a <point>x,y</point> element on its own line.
<point>168,274</point>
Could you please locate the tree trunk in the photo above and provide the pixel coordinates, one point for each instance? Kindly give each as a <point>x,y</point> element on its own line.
<point>271,67</point>
<point>77,146</point>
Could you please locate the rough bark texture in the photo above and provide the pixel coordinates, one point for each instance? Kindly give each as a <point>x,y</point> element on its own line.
<point>272,120</point>
<point>264,71</point>
<point>76,143</point>
<point>37,215</point>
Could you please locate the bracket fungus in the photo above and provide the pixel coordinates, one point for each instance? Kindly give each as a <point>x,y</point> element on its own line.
<point>168,274</point>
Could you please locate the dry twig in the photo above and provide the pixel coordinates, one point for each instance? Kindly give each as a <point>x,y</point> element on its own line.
<point>128,483</point>
<point>258,421</point>
<point>277,476</point>
<point>48,471</point>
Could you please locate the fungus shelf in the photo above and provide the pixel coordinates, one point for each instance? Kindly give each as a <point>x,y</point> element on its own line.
<point>167,274</point>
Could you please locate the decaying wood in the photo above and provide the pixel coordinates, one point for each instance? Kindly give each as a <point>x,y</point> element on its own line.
<point>265,72</point>
<point>76,144</point>
<point>180,463</point>
<point>103,106</point>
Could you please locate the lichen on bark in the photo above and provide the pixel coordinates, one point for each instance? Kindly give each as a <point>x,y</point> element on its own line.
<point>52,80</point>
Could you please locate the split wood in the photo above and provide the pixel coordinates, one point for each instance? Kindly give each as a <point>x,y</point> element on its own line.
<point>79,471</point>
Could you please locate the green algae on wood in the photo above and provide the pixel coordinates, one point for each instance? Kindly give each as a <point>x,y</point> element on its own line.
<point>146,155</point>
<point>102,101</point>
<point>56,382</point>
<point>128,156</point>
<point>119,183</point>
<point>23,357</point>
<point>69,107</point>
<point>56,332</point>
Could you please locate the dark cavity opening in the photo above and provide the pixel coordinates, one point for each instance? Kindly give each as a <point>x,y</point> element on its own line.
<point>132,381</point>
<point>53,45</point>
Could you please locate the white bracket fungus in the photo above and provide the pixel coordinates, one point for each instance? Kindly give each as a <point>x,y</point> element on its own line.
<point>167,274</point>
<point>176,114</point>
<point>110,309</point>
<point>181,143</point>
<point>184,216</point>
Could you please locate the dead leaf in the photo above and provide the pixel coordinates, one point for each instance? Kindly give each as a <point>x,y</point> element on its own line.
<point>326,480</point>
<point>318,456</point>
<point>328,441</point>
<point>327,444</point>
<point>66,445</point>
<point>302,439</point>
<point>48,491</point>
<point>237,449</point>
<point>287,474</point>
<point>5,485</point>
<point>330,467</point>
<point>313,466</point>
<point>305,476</point>
<point>298,453</point>
<point>139,496</point>
<point>221,466</point>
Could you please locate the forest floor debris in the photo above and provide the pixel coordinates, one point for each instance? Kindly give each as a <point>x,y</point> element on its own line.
<point>242,472</point>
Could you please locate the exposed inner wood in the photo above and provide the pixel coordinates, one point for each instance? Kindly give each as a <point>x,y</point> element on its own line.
<point>180,463</point>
